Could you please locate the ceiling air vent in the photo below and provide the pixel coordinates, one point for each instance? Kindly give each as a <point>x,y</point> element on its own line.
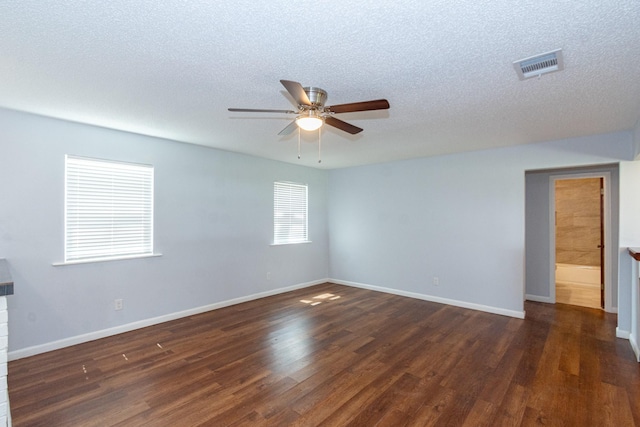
<point>535,66</point>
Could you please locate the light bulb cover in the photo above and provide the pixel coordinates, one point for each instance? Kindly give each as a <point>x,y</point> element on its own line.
<point>310,122</point>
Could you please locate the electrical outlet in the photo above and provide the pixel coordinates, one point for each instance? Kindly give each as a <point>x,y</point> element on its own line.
<point>436,281</point>
<point>269,275</point>
<point>117,304</point>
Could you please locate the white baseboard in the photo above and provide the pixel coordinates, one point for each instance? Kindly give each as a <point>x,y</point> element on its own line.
<point>634,346</point>
<point>620,333</point>
<point>538,298</point>
<point>79,339</point>
<point>447,301</point>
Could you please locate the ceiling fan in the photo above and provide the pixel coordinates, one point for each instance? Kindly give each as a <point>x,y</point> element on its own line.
<point>312,113</point>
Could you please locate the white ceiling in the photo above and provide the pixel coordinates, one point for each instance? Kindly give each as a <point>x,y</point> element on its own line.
<point>172,68</point>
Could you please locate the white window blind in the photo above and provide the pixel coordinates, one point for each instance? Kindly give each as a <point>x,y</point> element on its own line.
<point>289,213</point>
<point>108,209</point>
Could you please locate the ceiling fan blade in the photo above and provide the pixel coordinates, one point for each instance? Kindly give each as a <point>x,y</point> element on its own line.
<point>257,110</point>
<point>347,127</point>
<point>378,104</point>
<point>297,92</point>
<point>290,128</point>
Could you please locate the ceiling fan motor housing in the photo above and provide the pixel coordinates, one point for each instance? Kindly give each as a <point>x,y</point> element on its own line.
<point>316,95</point>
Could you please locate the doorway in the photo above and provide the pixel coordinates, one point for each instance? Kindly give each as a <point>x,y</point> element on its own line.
<point>579,219</point>
<point>579,232</point>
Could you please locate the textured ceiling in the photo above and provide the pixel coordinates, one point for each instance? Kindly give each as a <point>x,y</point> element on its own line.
<point>172,68</point>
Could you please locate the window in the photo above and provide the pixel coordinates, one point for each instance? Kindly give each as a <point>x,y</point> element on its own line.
<point>108,210</point>
<point>289,213</point>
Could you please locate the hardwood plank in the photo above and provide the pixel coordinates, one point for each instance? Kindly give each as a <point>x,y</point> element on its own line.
<point>512,409</point>
<point>409,399</point>
<point>430,412</point>
<point>393,418</point>
<point>357,358</point>
<point>496,385</point>
<point>481,414</point>
<point>615,408</point>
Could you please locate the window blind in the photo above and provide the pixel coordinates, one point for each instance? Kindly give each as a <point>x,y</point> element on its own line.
<point>289,213</point>
<point>108,209</point>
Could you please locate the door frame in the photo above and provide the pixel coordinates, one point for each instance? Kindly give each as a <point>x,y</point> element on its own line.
<point>606,176</point>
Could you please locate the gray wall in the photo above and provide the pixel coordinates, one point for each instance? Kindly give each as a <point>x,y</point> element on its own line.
<point>629,301</point>
<point>636,140</point>
<point>537,228</point>
<point>459,217</point>
<point>213,225</point>
<point>537,244</point>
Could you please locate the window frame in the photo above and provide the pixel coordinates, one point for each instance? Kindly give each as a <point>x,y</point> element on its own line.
<point>281,200</point>
<point>128,189</point>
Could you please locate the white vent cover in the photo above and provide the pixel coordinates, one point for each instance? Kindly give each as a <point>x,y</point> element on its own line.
<point>535,66</point>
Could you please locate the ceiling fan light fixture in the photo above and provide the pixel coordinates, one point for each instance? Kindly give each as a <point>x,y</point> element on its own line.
<point>310,122</point>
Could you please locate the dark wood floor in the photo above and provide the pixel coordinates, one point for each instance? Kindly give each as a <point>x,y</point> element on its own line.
<point>336,356</point>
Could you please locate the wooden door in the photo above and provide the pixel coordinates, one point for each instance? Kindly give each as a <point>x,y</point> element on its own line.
<point>601,246</point>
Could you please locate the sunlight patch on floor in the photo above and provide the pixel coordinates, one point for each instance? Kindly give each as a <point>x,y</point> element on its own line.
<point>318,299</point>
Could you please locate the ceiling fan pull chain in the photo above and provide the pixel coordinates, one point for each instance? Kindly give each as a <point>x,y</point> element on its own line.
<point>319,145</point>
<point>298,143</point>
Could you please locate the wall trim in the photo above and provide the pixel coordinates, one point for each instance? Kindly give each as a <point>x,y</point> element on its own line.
<point>79,339</point>
<point>538,298</point>
<point>634,346</point>
<point>440,300</point>
<point>621,333</point>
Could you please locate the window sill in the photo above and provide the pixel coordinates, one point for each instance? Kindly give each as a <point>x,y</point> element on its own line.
<point>94,260</point>
<point>290,243</point>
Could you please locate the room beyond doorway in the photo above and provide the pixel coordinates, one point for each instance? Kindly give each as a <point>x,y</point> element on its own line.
<point>540,245</point>
<point>579,241</point>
